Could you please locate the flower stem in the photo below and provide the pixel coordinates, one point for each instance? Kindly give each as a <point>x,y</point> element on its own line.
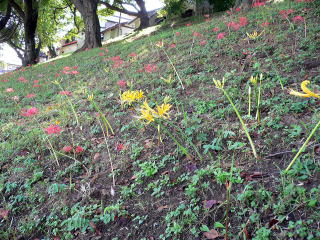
<point>174,68</point>
<point>105,120</point>
<point>303,146</point>
<point>249,108</point>
<point>242,122</point>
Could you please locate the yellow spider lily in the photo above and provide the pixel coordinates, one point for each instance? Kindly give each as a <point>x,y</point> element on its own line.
<point>218,83</point>
<point>305,89</point>
<point>168,80</point>
<point>163,110</point>
<point>254,80</point>
<point>90,97</point>
<point>147,113</point>
<point>131,96</point>
<point>159,44</point>
<point>254,35</point>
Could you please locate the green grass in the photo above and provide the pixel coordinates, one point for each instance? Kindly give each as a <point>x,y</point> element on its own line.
<point>153,189</point>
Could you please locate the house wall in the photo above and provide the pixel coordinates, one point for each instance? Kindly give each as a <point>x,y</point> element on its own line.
<point>69,48</point>
<point>115,33</point>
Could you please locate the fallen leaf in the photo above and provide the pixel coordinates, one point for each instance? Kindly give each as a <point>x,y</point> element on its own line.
<point>209,203</point>
<point>148,143</point>
<point>112,192</point>
<point>213,234</point>
<point>96,230</point>
<point>4,213</point>
<point>162,207</point>
<point>96,156</point>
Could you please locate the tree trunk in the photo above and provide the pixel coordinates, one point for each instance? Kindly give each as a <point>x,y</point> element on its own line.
<point>88,11</point>
<point>143,15</point>
<point>245,4</point>
<point>144,22</point>
<point>52,51</point>
<point>30,26</point>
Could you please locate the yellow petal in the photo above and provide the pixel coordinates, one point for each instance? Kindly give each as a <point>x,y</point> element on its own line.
<point>298,94</point>
<point>307,90</point>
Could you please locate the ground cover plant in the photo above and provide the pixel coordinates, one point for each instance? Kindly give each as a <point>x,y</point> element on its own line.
<point>196,131</point>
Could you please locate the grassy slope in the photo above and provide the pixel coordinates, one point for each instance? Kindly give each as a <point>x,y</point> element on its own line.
<point>159,192</point>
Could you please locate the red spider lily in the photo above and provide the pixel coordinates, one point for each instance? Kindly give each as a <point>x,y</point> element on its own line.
<point>238,9</point>
<point>75,67</point>
<point>22,79</point>
<point>53,129</point>
<point>15,98</point>
<point>67,68</point>
<point>265,24</point>
<point>101,54</point>
<point>285,13</point>
<point>30,95</point>
<point>122,83</point>
<point>74,72</point>
<point>206,15</point>
<point>243,21</point>
<point>67,149</point>
<point>116,58</point>
<point>188,24</point>
<point>203,42</point>
<point>57,75</point>
<point>258,4</point>
<point>235,26</point>
<point>178,34</point>
<point>36,81</point>
<point>79,149</point>
<point>196,34</point>
<point>5,80</point>
<point>133,54</point>
<point>29,112</point>
<point>36,85</point>
<point>298,19</point>
<point>221,35</point>
<point>172,45</point>
<point>65,93</point>
<point>117,64</point>
<point>149,68</point>
<point>9,90</point>
<point>107,50</point>
<point>216,29</point>
<point>229,12</point>
<point>119,147</point>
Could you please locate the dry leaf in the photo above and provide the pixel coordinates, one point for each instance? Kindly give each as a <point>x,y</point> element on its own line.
<point>162,207</point>
<point>4,213</point>
<point>112,192</point>
<point>213,234</point>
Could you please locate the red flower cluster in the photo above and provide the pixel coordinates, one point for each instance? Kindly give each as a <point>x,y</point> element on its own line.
<point>68,149</point>
<point>285,13</point>
<point>149,68</point>
<point>117,61</point>
<point>221,35</point>
<point>133,54</point>
<point>66,70</point>
<point>122,83</point>
<point>53,129</point>
<point>196,34</point>
<point>66,93</point>
<point>9,90</point>
<point>243,21</point>
<point>29,112</point>
<point>30,95</point>
<point>298,19</point>
<point>23,80</point>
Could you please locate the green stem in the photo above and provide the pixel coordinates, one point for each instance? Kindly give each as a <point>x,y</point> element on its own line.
<point>249,93</point>
<point>242,122</point>
<point>105,120</point>
<point>71,105</point>
<point>183,149</point>
<point>303,146</point>
<point>174,69</point>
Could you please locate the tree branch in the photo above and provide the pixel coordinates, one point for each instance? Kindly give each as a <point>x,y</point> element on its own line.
<point>17,8</point>
<point>122,10</point>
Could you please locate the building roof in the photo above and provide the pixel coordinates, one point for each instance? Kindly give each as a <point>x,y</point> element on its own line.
<point>70,43</point>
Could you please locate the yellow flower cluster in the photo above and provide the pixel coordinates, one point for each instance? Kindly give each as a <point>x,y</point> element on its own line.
<point>306,90</point>
<point>149,115</point>
<point>254,35</point>
<point>131,96</point>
